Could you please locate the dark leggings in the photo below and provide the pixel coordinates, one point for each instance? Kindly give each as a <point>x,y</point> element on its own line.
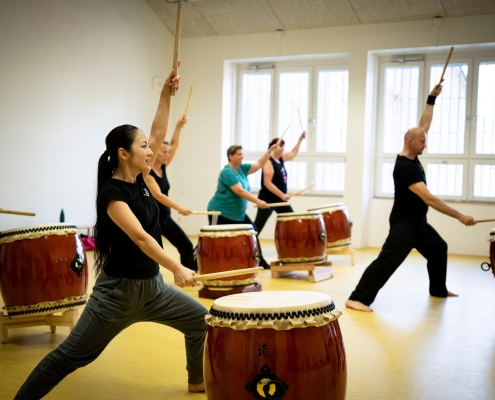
<point>175,235</point>
<point>225,221</point>
<point>402,238</point>
<point>264,213</point>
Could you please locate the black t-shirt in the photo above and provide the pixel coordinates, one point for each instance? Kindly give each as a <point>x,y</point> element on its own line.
<point>407,204</point>
<point>126,259</point>
<point>279,179</point>
<point>164,188</point>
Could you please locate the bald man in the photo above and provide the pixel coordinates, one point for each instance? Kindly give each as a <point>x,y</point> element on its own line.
<point>408,225</point>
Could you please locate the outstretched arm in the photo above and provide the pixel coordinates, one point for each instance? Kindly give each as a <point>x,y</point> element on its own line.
<point>427,116</point>
<point>164,199</point>
<point>174,142</point>
<point>263,159</point>
<point>241,192</point>
<point>160,122</point>
<point>290,155</point>
<point>422,191</point>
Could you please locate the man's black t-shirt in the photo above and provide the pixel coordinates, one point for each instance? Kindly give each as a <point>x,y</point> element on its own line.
<point>407,204</point>
<point>164,188</point>
<point>126,259</point>
<point>279,179</point>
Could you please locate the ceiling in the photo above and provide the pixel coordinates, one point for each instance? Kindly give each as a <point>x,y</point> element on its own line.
<point>233,17</point>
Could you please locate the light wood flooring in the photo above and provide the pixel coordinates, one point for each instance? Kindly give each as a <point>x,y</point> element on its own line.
<point>412,346</point>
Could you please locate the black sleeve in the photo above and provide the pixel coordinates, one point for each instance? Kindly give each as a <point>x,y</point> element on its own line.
<point>409,174</point>
<point>111,192</point>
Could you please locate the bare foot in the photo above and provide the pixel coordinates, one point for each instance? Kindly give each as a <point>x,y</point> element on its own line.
<point>196,387</point>
<point>450,294</point>
<point>357,305</point>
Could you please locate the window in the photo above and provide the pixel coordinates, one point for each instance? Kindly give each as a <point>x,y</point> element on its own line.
<point>461,138</point>
<point>286,101</point>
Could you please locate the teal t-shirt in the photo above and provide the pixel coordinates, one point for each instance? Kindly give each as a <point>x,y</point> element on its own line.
<point>225,200</point>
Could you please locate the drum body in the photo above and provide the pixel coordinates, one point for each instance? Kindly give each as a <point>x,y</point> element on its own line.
<point>337,224</point>
<point>224,248</point>
<point>492,250</point>
<point>300,237</point>
<point>274,345</point>
<point>42,270</point>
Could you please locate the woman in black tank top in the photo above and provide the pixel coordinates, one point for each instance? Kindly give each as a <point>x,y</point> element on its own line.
<point>274,184</point>
<point>159,186</point>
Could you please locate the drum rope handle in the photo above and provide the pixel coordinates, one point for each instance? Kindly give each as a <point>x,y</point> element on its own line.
<point>488,266</point>
<point>279,387</point>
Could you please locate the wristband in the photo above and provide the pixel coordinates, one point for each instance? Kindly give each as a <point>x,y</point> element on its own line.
<point>431,100</point>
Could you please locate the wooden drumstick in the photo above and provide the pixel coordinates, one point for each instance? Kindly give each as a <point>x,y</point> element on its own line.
<point>300,120</point>
<point>29,214</point>
<point>188,101</point>
<point>485,220</point>
<point>300,191</point>
<point>280,139</point>
<point>216,275</point>
<point>446,64</point>
<point>206,212</point>
<point>285,203</point>
<point>177,43</point>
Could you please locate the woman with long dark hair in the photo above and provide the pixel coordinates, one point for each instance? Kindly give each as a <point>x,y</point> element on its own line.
<point>129,287</point>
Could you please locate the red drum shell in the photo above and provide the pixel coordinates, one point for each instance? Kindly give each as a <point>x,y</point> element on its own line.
<point>311,361</point>
<point>300,239</point>
<point>218,254</point>
<point>37,270</point>
<point>492,255</point>
<point>337,225</point>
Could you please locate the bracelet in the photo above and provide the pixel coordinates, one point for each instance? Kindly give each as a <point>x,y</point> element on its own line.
<point>431,100</point>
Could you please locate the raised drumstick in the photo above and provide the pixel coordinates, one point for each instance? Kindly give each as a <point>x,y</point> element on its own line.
<point>216,275</point>
<point>188,101</point>
<point>29,214</point>
<point>280,138</point>
<point>206,212</point>
<point>300,120</point>
<point>446,64</point>
<point>177,43</point>
<point>302,190</point>
<point>285,203</point>
<point>484,220</point>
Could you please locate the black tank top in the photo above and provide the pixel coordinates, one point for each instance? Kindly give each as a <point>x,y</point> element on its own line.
<point>279,180</point>
<point>164,188</point>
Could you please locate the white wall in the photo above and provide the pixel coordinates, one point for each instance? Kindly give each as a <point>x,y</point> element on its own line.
<point>70,71</point>
<point>195,170</point>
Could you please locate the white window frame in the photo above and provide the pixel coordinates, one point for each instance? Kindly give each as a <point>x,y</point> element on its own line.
<point>472,163</point>
<point>311,156</point>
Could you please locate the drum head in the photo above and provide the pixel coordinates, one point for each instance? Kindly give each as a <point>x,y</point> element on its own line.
<point>272,302</point>
<point>302,215</point>
<point>227,228</point>
<point>329,207</point>
<point>36,231</point>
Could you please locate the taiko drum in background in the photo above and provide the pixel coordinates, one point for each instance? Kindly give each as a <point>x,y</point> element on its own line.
<point>337,224</point>
<point>274,345</point>
<point>300,237</point>
<point>491,265</point>
<point>224,248</point>
<point>42,270</point>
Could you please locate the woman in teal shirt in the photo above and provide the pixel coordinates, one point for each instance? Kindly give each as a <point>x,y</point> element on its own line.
<point>233,190</point>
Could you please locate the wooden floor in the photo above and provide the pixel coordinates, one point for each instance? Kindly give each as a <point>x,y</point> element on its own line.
<point>412,346</point>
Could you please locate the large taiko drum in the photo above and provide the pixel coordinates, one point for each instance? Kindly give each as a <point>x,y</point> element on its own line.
<point>300,237</point>
<point>42,270</point>
<point>491,265</point>
<point>224,248</point>
<point>337,224</point>
<point>274,345</point>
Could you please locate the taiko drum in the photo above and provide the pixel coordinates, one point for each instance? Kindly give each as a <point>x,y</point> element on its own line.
<point>338,224</point>
<point>224,248</point>
<point>42,269</point>
<point>492,250</point>
<point>274,345</point>
<point>300,237</point>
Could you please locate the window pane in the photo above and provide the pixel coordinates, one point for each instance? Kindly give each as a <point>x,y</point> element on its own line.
<point>485,125</point>
<point>445,179</point>
<point>293,94</point>
<point>297,172</point>
<point>255,111</point>
<point>330,176</point>
<point>254,179</point>
<point>446,135</point>
<point>331,114</point>
<point>484,181</point>
<point>400,106</point>
<point>387,178</point>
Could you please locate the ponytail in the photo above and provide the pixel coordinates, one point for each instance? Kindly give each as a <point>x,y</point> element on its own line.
<point>121,137</point>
